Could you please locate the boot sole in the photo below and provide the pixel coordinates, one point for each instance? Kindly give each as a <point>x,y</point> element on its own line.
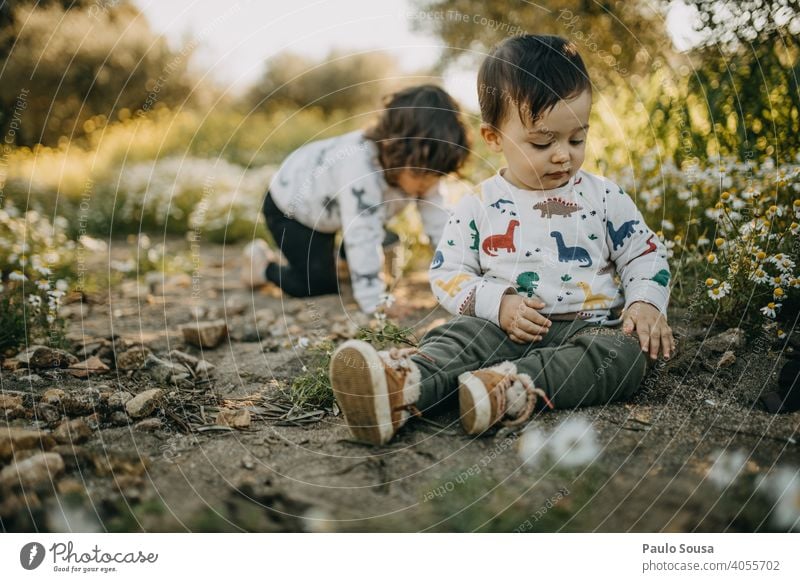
<point>474,406</point>
<point>359,385</point>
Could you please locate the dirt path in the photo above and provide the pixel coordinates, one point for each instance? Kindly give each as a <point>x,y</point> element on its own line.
<point>650,474</point>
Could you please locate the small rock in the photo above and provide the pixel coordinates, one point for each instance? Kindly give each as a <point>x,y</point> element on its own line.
<point>72,431</point>
<point>39,357</point>
<point>82,402</point>
<point>248,462</point>
<point>119,418</point>
<point>84,369</point>
<point>143,403</point>
<point>344,330</point>
<point>93,421</point>
<point>149,424</point>
<point>14,439</point>
<point>238,418</point>
<point>731,339</point>
<point>10,401</point>
<point>187,360</point>
<point>727,359</point>
<point>49,413</point>
<point>53,396</point>
<point>205,334</point>
<point>132,358</point>
<point>204,368</point>
<point>38,470</point>
<point>118,399</point>
<point>265,316</point>
<point>164,372</point>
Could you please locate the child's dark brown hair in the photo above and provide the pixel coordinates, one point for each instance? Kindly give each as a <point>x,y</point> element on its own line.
<point>421,130</point>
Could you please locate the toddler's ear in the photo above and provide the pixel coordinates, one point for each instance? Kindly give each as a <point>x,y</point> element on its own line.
<point>492,137</point>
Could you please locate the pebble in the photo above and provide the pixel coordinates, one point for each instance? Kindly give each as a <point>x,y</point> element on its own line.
<point>35,471</point>
<point>731,339</point>
<point>207,334</point>
<point>72,431</point>
<point>45,357</point>
<point>238,418</point>
<point>13,439</point>
<point>143,403</point>
<point>118,399</point>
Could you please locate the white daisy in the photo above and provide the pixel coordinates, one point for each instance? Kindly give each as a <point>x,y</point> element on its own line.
<point>17,276</point>
<point>573,443</point>
<point>770,308</point>
<point>782,487</point>
<point>726,468</point>
<point>531,447</point>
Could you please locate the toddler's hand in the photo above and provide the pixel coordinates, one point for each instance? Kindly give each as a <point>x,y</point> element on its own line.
<point>651,326</point>
<point>520,319</point>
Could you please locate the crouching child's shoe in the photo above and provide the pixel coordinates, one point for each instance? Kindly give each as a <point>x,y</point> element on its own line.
<point>376,391</point>
<point>497,395</point>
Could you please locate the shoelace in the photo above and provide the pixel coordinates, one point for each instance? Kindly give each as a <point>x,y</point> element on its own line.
<point>399,360</point>
<point>531,396</point>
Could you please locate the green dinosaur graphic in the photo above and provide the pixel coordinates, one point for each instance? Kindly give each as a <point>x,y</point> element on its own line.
<point>475,235</point>
<point>662,277</point>
<point>592,236</point>
<point>528,282</point>
<point>566,277</point>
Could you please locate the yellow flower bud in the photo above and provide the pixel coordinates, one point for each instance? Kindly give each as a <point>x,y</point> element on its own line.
<point>778,292</point>
<point>725,195</point>
<point>719,242</point>
<point>710,282</point>
<point>761,255</point>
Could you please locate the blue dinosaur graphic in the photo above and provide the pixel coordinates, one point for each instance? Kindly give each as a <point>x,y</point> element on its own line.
<point>619,235</point>
<point>371,278</point>
<point>330,203</point>
<point>566,253</point>
<point>361,205</point>
<point>498,205</point>
<point>438,260</point>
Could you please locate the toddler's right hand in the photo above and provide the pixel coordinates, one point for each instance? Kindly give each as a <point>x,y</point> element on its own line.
<point>520,319</point>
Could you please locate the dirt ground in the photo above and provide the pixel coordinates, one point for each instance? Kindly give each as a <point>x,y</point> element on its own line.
<point>275,476</point>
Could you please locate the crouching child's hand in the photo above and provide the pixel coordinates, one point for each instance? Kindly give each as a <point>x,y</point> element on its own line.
<point>651,327</point>
<point>520,319</point>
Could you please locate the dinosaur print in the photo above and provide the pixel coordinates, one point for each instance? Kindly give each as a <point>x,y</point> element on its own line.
<point>438,260</point>
<point>527,282</point>
<point>662,277</point>
<point>556,206</point>
<point>578,180</point>
<point>651,247</point>
<point>453,285</point>
<point>498,205</point>
<point>593,300</point>
<point>362,206</point>
<point>370,277</point>
<point>619,235</point>
<point>474,234</point>
<point>501,241</point>
<point>566,253</point>
<point>329,203</point>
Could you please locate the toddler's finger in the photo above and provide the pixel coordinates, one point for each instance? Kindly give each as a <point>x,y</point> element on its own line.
<point>535,317</point>
<point>643,330</point>
<point>526,337</point>
<point>655,343</point>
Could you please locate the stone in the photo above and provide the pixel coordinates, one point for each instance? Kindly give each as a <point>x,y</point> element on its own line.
<point>81,402</point>
<point>39,357</point>
<point>728,359</point>
<point>731,339</point>
<point>204,368</point>
<point>19,439</point>
<point>88,367</point>
<point>188,360</point>
<point>132,358</point>
<point>248,462</point>
<point>207,334</point>
<point>164,372</point>
<point>72,431</point>
<point>236,418</point>
<point>119,418</point>
<point>53,396</point>
<point>149,425</point>
<point>10,401</point>
<point>36,471</point>
<point>49,413</point>
<point>265,316</point>
<point>117,400</point>
<point>143,404</point>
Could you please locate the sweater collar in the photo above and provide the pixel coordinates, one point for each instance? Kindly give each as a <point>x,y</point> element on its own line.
<point>553,192</point>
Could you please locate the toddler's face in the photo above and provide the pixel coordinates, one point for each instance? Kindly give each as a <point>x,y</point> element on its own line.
<point>546,154</point>
<point>416,183</point>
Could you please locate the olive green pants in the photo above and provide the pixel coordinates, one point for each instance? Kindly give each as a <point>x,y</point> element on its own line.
<point>576,363</point>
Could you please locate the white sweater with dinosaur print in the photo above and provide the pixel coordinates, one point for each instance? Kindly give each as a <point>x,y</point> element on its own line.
<point>582,248</point>
<point>337,184</point>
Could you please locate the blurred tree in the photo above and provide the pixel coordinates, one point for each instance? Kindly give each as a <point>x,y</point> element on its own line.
<point>746,76</point>
<point>615,38</point>
<point>341,82</point>
<point>69,66</point>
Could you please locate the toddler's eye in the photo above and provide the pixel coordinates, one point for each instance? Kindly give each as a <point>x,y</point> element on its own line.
<point>576,141</point>
<point>540,146</point>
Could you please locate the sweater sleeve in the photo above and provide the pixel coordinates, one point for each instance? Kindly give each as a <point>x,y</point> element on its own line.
<point>456,276</point>
<point>362,213</point>
<point>434,213</point>
<point>638,254</point>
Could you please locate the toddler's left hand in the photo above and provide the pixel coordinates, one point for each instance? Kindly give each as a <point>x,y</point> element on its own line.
<point>651,326</point>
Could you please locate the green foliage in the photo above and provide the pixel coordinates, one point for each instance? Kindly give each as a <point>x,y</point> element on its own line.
<point>312,388</point>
